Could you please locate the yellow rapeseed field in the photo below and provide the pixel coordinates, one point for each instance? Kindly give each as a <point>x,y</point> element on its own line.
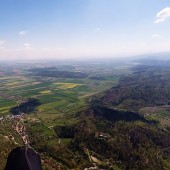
<point>65,86</point>
<point>45,92</point>
<point>12,83</point>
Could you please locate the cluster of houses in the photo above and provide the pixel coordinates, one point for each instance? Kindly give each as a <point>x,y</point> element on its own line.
<point>21,130</point>
<point>12,97</point>
<point>11,117</point>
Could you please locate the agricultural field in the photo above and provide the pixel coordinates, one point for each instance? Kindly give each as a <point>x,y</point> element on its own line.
<point>62,95</point>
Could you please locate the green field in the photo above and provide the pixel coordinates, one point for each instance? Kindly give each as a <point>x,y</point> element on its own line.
<point>57,95</point>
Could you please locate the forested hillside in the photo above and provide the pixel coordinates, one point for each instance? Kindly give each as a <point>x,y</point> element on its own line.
<point>147,86</point>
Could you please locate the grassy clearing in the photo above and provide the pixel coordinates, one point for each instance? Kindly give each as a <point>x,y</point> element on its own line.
<point>52,105</point>
<point>161,114</point>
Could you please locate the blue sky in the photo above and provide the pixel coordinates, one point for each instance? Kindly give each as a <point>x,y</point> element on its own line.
<point>83,28</point>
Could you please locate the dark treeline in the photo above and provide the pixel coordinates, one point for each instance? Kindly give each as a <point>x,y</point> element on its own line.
<point>26,107</point>
<point>59,74</point>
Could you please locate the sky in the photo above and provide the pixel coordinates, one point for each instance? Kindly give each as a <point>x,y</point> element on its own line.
<point>35,29</point>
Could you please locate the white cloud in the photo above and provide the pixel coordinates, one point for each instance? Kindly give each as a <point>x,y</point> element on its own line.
<point>2,43</point>
<point>162,15</point>
<point>23,33</point>
<point>156,36</point>
<point>27,45</point>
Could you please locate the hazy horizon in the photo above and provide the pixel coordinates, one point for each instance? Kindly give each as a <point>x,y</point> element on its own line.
<point>74,29</point>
